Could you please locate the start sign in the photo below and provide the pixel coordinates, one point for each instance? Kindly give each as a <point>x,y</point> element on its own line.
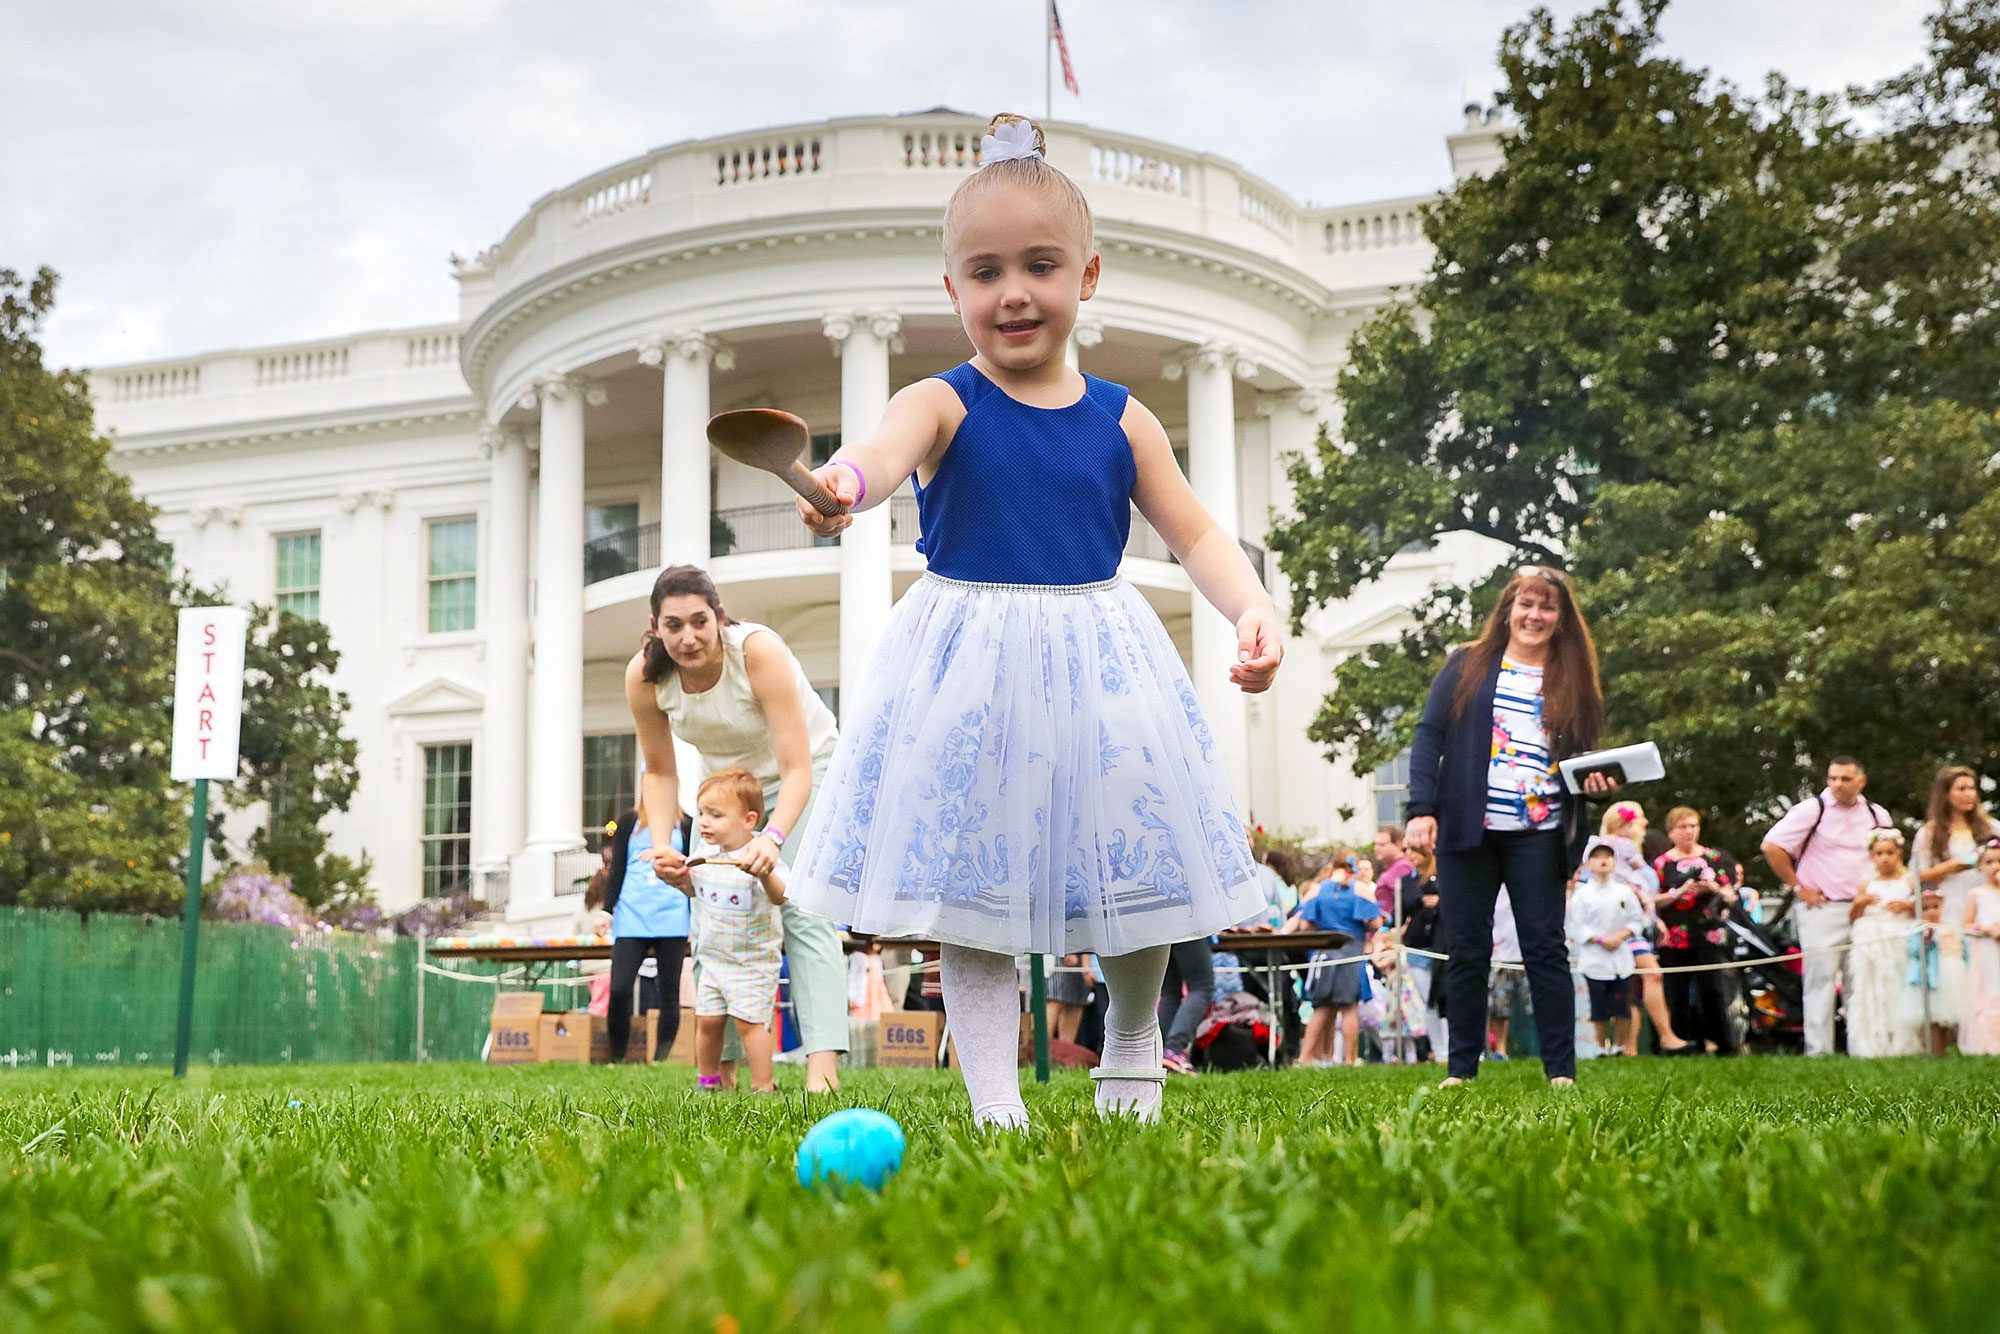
<point>208,692</point>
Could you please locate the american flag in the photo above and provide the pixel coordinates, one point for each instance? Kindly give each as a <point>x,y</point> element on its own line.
<point>1062,49</point>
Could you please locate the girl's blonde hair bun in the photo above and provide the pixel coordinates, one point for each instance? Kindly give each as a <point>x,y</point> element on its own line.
<point>1009,118</point>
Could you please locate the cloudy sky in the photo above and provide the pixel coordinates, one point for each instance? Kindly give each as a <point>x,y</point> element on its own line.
<point>217,173</point>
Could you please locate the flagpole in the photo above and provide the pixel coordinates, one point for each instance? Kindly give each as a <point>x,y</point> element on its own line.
<point>1048,59</point>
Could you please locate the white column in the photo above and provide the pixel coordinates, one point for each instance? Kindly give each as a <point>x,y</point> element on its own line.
<point>1211,374</point>
<point>863,343</point>
<point>685,360</point>
<point>502,796</point>
<point>555,798</point>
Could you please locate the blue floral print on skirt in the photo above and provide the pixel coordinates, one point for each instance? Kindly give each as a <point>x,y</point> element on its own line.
<point>1027,771</point>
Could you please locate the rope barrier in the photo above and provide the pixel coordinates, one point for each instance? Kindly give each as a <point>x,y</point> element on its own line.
<point>902,972</point>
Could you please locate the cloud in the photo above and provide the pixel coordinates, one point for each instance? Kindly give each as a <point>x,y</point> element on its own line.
<point>231,172</point>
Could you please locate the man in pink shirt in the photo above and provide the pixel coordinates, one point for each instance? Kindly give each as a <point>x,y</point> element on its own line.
<point>1396,866</point>
<point>1820,850</point>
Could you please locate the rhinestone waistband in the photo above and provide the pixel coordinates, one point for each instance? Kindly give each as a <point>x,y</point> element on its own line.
<point>1055,589</point>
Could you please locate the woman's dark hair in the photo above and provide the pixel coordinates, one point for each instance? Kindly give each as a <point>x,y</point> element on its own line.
<point>1572,695</point>
<point>1937,823</point>
<point>677,581</point>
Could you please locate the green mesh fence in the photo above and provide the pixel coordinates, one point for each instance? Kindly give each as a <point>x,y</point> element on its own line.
<point>103,991</point>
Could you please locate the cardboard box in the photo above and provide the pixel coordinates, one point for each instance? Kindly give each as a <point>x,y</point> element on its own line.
<point>639,1044</point>
<point>566,1037</point>
<point>682,1052</point>
<point>516,1036</point>
<point>908,1038</point>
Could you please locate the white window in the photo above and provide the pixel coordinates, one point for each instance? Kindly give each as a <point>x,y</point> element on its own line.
<point>297,583</point>
<point>610,782</point>
<point>1392,788</point>
<point>452,581</point>
<point>447,836</point>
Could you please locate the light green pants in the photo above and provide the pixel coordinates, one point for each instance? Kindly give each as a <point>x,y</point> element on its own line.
<point>818,964</point>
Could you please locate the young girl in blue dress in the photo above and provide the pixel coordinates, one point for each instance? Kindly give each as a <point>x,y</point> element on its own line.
<point>1028,770</point>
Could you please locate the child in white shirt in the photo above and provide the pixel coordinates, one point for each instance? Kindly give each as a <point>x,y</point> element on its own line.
<point>1604,916</point>
<point>739,937</point>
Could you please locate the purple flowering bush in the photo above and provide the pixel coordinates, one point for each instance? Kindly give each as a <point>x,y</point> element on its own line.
<point>254,893</point>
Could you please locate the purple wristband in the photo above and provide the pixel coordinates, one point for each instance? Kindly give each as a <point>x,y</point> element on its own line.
<point>860,480</point>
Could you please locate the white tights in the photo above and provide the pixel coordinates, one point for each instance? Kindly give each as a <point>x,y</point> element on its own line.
<point>982,1004</point>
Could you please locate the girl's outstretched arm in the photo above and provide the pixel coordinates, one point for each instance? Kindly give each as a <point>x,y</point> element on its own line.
<point>915,428</point>
<point>1211,557</point>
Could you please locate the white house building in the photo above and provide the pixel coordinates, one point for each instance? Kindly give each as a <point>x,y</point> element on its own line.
<point>478,509</point>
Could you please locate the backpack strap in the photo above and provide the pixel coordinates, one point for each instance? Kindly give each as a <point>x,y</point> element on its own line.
<point>1819,813</point>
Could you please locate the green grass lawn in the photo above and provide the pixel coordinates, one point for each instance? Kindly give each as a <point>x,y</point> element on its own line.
<point>1769,1194</point>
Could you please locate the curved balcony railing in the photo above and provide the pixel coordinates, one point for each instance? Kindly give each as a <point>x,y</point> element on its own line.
<point>753,528</point>
<point>912,161</point>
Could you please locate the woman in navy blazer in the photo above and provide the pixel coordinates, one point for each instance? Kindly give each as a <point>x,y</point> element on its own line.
<point>1486,794</point>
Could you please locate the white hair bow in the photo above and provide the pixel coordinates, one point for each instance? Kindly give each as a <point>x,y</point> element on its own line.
<point>1015,139</point>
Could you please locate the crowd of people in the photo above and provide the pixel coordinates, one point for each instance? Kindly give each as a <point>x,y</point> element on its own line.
<point>1904,953</point>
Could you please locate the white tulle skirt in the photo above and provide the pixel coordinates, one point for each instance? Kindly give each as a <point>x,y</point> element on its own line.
<point>1027,771</point>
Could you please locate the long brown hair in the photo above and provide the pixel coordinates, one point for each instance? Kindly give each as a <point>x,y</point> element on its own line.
<point>1572,695</point>
<point>677,581</point>
<point>1937,824</point>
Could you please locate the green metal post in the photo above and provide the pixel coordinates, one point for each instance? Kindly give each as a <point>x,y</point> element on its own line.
<point>1038,991</point>
<point>197,835</point>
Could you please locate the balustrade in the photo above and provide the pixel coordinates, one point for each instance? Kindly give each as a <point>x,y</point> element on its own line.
<point>613,197</point>
<point>159,382</point>
<point>1267,211</point>
<point>434,349</point>
<point>1115,165</point>
<point>941,148</point>
<point>313,363</point>
<point>1374,230</point>
<point>788,156</point>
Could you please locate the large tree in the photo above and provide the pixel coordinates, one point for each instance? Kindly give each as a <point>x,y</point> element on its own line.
<point>295,758</point>
<point>1732,363</point>
<point>89,815</point>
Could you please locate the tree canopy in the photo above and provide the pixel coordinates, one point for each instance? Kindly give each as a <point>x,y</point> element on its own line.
<point>90,817</point>
<point>1733,360</point>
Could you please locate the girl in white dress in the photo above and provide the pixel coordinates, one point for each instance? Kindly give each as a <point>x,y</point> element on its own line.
<point>1029,770</point>
<point>1884,914</point>
<point>1979,1010</point>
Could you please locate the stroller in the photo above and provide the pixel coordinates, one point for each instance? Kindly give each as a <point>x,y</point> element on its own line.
<point>1235,1034</point>
<point>1767,997</point>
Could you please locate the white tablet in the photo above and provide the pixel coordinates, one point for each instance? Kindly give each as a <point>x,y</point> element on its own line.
<point>1627,764</point>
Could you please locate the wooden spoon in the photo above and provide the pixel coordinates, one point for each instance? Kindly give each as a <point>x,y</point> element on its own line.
<point>771,439</point>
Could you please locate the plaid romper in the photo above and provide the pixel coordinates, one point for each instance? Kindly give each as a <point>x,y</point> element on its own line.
<point>738,941</point>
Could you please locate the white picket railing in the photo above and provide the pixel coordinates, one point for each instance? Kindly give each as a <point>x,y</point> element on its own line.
<point>764,159</point>
<point>1117,164</point>
<point>297,366</point>
<point>141,386</point>
<point>612,197</point>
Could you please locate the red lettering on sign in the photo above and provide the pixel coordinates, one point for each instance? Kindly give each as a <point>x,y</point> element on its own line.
<point>204,746</point>
<point>208,633</point>
<point>207,718</point>
<point>207,693</point>
<point>209,660</point>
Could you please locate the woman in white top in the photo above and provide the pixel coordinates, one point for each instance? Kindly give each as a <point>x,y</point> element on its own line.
<point>1947,852</point>
<point>734,692</point>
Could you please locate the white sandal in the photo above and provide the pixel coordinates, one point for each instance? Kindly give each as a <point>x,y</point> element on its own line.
<point>1144,1107</point>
